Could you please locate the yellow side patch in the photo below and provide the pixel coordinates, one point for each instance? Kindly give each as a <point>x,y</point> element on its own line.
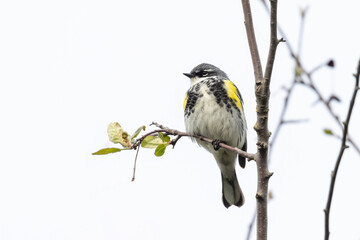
<point>233,93</point>
<point>185,100</point>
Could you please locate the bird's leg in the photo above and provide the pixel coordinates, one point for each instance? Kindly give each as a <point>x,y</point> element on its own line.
<point>216,144</point>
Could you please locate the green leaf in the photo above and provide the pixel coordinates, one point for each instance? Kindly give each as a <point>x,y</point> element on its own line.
<point>151,142</point>
<point>164,137</point>
<point>160,150</point>
<point>118,135</point>
<point>328,131</point>
<point>107,151</point>
<point>136,133</point>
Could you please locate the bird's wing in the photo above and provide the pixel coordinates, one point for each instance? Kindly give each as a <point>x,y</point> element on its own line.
<point>185,100</point>
<point>234,94</point>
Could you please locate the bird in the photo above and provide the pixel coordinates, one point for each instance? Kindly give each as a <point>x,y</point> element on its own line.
<point>214,108</point>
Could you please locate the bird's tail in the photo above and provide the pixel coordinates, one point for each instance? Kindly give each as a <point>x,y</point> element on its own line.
<point>232,194</point>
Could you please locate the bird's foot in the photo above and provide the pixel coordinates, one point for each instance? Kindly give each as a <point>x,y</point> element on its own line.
<point>216,144</point>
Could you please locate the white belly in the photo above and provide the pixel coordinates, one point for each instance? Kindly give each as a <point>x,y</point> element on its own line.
<point>211,120</point>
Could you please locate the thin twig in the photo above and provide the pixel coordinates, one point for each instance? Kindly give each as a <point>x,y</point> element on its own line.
<point>322,99</point>
<point>251,225</point>
<point>282,33</point>
<point>301,31</point>
<point>282,117</point>
<point>295,121</point>
<point>293,83</point>
<point>179,134</point>
<point>249,26</point>
<point>274,41</point>
<point>318,67</point>
<point>312,86</point>
<point>174,141</point>
<point>137,152</point>
<point>341,152</point>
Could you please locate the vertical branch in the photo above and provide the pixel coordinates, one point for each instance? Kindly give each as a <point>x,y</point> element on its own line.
<point>261,127</point>
<point>341,152</point>
<point>262,93</point>
<point>273,45</point>
<point>249,26</point>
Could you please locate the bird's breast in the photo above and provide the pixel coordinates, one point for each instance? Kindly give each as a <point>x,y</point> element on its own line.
<point>205,115</point>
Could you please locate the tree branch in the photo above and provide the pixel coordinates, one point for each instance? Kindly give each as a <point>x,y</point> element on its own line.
<point>327,105</point>
<point>177,133</point>
<point>252,42</point>
<point>134,169</point>
<point>293,83</point>
<point>262,93</point>
<point>273,45</point>
<point>310,83</point>
<point>289,92</point>
<point>341,152</point>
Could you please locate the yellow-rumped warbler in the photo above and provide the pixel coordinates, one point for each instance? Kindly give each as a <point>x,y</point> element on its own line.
<point>213,108</point>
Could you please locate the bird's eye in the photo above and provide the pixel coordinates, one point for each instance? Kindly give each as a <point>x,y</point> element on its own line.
<point>204,74</point>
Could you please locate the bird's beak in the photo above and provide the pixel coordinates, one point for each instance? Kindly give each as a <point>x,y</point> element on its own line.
<point>189,75</point>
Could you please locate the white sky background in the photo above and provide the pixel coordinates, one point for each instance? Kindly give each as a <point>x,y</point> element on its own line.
<point>68,68</point>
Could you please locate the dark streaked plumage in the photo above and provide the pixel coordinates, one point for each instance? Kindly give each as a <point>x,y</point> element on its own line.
<point>213,108</point>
